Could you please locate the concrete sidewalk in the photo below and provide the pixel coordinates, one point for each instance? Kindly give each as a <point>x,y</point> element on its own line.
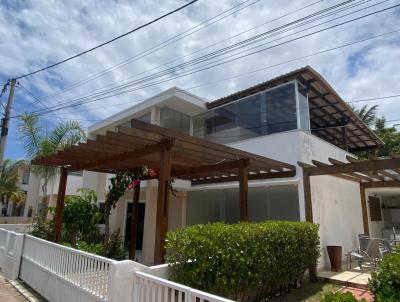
<point>8,293</point>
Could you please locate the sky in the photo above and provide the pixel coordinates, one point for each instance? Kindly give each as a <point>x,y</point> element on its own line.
<point>34,34</point>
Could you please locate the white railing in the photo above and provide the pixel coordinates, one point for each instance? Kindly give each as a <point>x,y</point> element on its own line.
<point>70,269</point>
<point>149,288</point>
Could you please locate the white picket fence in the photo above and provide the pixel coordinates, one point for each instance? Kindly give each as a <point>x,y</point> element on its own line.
<point>75,275</point>
<point>60,273</point>
<point>10,253</point>
<point>150,288</point>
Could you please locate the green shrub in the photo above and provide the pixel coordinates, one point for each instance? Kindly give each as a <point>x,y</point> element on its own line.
<point>42,228</point>
<point>340,297</point>
<point>243,261</point>
<point>385,282</point>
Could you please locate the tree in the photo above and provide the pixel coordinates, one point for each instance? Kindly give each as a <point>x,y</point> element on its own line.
<point>9,190</point>
<point>367,114</point>
<point>38,142</point>
<point>388,134</point>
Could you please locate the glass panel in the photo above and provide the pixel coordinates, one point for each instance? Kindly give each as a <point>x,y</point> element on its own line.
<point>274,203</point>
<point>281,109</point>
<point>25,178</point>
<point>265,203</point>
<point>173,119</point>
<point>267,112</point>
<point>144,118</point>
<point>304,113</point>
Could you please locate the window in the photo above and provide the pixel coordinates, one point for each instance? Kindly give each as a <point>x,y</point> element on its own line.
<point>270,111</point>
<point>304,114</point>
<point>265,203</point>
<point>25,177</point>
<point>75,173</point>
<point>173,119</point>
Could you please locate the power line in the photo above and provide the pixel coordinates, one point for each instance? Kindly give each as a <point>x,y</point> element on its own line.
<point>161,45</point>
<point>108,42</point>
<point>250,72</point>
<point>231,46</point>
<point>105,92</point>
<point>316,107</point>
<point>31,94</point>
<point>66,105</point>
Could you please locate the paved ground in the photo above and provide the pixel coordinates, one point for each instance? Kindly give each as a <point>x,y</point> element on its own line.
<point>359,293</point>
<point>8,293</point>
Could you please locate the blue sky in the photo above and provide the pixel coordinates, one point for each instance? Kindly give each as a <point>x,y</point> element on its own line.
<point>37,33</point>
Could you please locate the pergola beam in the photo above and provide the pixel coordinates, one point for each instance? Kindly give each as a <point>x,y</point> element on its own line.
<point>136,153</point>
<point>258,176</point>
<point>208,168</point>
<point>385,164</point>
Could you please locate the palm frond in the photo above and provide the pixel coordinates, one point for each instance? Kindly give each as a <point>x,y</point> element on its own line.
<point>31,134</point>
<point>66,134</point>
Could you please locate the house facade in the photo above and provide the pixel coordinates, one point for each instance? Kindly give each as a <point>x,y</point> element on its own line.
<point>294,117</point>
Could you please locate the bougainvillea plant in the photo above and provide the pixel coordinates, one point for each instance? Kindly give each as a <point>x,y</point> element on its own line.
<point>119,183</point>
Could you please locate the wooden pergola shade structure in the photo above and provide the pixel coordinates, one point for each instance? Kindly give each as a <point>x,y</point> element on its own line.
<point>372,173</point>
<point>173,155</point>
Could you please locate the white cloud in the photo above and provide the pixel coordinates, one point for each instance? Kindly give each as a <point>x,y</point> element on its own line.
<point>38,33</point>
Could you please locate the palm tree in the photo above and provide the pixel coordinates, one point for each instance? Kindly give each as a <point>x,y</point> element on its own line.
<point>367,114</point>
<point>9,190</point>
<point>37,142</point>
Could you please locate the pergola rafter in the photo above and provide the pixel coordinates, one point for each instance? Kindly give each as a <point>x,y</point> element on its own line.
<point>173,155</point>
<point>371,173</point>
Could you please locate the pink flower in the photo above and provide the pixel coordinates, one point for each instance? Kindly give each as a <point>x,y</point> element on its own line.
<point>151,173</point>
<point>133,184</point>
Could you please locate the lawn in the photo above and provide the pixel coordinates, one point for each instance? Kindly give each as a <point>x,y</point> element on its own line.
<point>311,292</point>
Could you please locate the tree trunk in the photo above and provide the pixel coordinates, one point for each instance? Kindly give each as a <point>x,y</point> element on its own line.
<point>107,212</point>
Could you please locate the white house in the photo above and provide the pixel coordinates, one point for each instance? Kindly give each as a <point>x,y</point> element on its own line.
<point>294,117</point>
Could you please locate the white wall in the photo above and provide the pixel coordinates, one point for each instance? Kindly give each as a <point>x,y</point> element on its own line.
<point>336,206</point>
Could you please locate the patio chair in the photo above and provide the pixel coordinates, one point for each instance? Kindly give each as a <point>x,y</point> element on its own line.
<point>368,251</point>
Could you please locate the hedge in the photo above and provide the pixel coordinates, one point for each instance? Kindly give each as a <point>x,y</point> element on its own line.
<point>385,282</point>
<point>243,261</point>
<point>341,297</point>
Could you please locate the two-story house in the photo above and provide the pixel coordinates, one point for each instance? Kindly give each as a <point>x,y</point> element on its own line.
<point>294,117</point>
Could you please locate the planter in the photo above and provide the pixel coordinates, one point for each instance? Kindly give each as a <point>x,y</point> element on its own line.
<point>335,257</point>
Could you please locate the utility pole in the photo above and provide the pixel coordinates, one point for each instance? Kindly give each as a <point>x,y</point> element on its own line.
<point>6,120</point>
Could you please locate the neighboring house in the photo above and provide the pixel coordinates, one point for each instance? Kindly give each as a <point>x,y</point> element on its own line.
<point>294,117</point>
<point>40,198</point>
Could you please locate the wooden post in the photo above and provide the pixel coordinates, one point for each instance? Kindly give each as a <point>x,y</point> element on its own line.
<point>164,177</point>
<point>134,221</point>
<point>243,189</point>
<point>364,209</point>
<point>60,204</point>
<point>309,216</point>
<point>307,197</point>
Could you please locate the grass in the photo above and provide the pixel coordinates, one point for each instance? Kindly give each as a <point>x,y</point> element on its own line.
<point>311,292</point>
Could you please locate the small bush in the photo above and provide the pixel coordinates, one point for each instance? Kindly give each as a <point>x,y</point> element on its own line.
<point>385,282</point>
<point>340,297</point>
<point>243,261</point>
<point>42,228</point>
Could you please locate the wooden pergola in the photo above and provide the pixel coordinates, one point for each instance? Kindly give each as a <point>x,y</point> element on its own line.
<point>372,173</point>
<point>173,155</point>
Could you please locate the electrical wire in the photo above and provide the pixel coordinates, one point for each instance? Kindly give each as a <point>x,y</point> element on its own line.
<point>227,61</point>
<point>107,42</point>
<point>103,93</point>
<point>160,46</point>
<point>263,68</point>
